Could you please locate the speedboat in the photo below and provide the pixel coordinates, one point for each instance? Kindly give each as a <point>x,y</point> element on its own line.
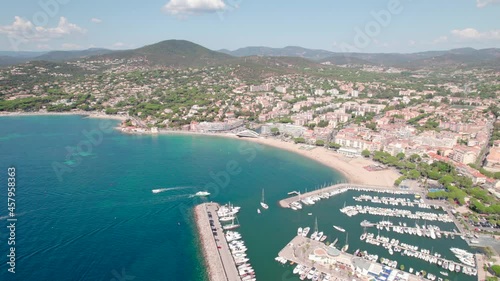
<point>305,231</point>
<point>202,193</point>
<point>339,228</point>
<point>299,231</point>
<point>319,235</point>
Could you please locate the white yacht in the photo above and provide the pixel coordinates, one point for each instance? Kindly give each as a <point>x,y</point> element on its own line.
<point>299,231</point>
<point>339,228</point>
<point>305,231</point>
<point>202,193</point>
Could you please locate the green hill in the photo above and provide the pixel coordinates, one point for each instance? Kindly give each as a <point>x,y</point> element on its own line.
<point>175,53</point>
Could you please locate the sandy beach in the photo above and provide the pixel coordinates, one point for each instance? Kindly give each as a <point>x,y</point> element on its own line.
<point>352,168</point>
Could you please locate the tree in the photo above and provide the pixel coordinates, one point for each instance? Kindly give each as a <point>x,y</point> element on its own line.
<point>372,126</point>
<point>110,110</point>
<point>496,269</point>
<point>334,145</point>
<point>275,131</point>
<point>445,180</point>
<point>415,158</point>
<point>413,174</point>
<point>322,123</point>
<point>400,156</point>
<point>320,142</point>
<point>399,180</point>
<point>299,140</point>
<point>366,153</point>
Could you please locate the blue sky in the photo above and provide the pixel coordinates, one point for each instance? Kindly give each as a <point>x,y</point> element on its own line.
<point>334,25</point>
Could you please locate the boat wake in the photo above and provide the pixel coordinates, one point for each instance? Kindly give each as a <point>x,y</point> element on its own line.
<point>159,190</point>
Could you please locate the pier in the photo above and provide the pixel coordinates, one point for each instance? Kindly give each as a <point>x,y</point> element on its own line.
<point>218,258</point>
<point>285,203</point>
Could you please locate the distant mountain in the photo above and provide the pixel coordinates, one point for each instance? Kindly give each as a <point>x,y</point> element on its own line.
<point>290,51</point>
<point>21,54</point>
<point>8,60</point>
<point>455,57</point>
<point>11,57</point>
<point>177,53</point>
<point>58,56</point>
<point>451,58</point>
<point>181,53</point>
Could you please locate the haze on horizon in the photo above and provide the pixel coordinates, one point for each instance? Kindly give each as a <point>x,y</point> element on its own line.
<point>402,26</point>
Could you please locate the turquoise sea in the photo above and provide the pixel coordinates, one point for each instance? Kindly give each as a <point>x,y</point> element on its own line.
<point>100,220</point>
<point>86,210</point>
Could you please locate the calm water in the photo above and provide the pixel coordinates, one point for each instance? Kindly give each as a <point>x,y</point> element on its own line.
<point>99,220</point>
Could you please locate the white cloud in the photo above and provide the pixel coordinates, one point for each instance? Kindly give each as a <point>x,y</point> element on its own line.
<point>474,34</point>
<point>24,30</point>
<point>189,7</point>
<point>43,46</point>
<point>96,20</point>
<point>440,39</point>
<point>70,46</point>
<point>484,3</point>
<point>121,45</point>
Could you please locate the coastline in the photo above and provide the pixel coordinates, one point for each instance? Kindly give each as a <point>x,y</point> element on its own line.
<point>351,168</point>
<point>87,114</point>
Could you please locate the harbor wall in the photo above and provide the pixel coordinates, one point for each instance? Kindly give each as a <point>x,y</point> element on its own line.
<point>212,260</point>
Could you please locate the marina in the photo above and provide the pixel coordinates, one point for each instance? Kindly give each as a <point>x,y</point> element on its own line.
<point>410,220</point>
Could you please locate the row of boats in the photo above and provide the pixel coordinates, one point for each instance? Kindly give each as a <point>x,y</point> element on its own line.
<point>430,231</point>
<point>227,213</point>
<point>310,273</point>
<point>312,199</point>
<point>394,263</point>
<point>237,246</point>
<point>316,235</point>
<point>396,201</point>
<point>399,213</point>
<point>319,235</point>
<point>238,250</point>
<point>468,265</point>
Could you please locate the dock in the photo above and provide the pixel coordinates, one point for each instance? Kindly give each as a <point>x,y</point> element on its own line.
<point>218,258</point>
<point>285,203</point>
